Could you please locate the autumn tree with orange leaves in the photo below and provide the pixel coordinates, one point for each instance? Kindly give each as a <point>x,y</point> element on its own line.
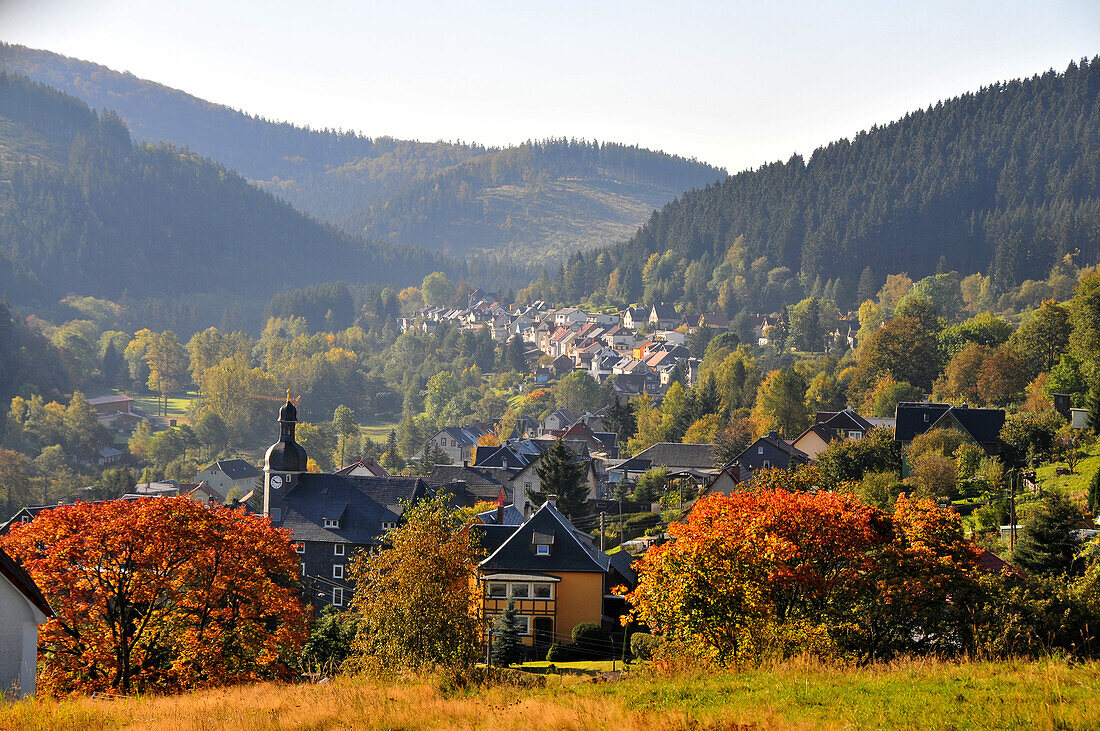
<point>161,595</point>
<point>770,572</point>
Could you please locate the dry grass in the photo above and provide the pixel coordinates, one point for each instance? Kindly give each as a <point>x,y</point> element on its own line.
<point>797,695</point>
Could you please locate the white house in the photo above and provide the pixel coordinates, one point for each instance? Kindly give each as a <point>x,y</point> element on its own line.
<point>226,474</point>
<point>22,609</point>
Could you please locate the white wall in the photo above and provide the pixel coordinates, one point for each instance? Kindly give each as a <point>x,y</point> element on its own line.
<point>19,621</point>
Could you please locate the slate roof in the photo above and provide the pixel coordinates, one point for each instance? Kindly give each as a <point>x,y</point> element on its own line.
<point>483,483</point>
<point>236,469</point>
<point>665,312</point>
<point>572,549</point>
<point>671,454</point>
<point>464,436</point>
<point>777,442</point>
<point>361,504</point>
<point>846,419</point>
<point>984,425</point>
<point>512,517</point>
<point>23,582</point>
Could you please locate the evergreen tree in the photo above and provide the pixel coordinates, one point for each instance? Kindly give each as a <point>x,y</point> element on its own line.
<point>507,647</point>
<point>391,442</point>
<point>1092,403</point>
<point>1094,493</point>
<point>515,359</point>
<point>1048,543</point>
<point>562,475</point>
<point>621,419</point>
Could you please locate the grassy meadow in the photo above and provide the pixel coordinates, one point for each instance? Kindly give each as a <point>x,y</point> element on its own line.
<point>797,695</point>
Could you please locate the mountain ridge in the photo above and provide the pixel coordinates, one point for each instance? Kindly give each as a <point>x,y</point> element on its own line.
<point>373,186</point>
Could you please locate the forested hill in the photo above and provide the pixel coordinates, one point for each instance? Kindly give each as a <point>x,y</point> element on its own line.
<point>539,199</point>
<point>1004,181</point>
<point>83,209</point>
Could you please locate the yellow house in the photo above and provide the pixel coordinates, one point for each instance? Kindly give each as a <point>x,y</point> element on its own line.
<point>554,573</point>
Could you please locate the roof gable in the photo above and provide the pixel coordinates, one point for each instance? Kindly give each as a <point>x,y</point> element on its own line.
<point>571,549</point>
<point>23,583</point>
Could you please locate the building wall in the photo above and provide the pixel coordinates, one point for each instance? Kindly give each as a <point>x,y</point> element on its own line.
<point>18,641</point>
<point>578,598</point>
<point>811,444</point>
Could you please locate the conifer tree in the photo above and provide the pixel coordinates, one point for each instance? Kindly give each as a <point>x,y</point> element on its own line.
<point>559,474</point>
<point>1048,542</point>
<point>1094,493</point>
<point>1093,406</point>
<point>507,648</point>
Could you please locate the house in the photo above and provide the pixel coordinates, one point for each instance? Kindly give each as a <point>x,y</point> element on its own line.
<point>553,572</point>
<point>979,426</point>
<point>527,478</point>
<point>109,456</point>
<point>770,452</point>
<point>22,609</point>
<point>116,414</point>
<point>663,317</point>
<point>229,476</point>
<point>477,484</point>
<point>557,420</point>
<point>716,320</point>
<point>204,494</point>
<point>457,441</point>
<point>364,467</point>
<point>683,459</point>
<point>831,425</point>
<point>633,317</point>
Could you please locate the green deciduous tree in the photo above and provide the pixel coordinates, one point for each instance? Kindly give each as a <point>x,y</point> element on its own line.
<point>413,599</point>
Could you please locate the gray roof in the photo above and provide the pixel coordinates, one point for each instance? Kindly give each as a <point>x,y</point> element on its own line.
<point>361,504</point>
<point>572,549</point>
<point>483,483</point>
<point>671,454</point>
<point>236,469</point>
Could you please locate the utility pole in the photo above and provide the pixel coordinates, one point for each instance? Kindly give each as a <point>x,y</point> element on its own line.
<point>602,514</point>
<point>620,521</point>
<point>1012,479</point>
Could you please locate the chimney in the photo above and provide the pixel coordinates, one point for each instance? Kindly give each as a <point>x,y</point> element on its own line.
<point>552,500</point>
<point>465,463</point>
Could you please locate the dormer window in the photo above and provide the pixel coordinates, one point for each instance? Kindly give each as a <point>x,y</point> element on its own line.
<point>330,523</point>
<point>387,526</point>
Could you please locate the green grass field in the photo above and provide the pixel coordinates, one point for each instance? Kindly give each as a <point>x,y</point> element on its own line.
<point>178,405</point>
<point>918,694</point>
<point>377,432</point>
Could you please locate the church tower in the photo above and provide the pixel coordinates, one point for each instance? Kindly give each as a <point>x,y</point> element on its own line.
<point>284,462</point>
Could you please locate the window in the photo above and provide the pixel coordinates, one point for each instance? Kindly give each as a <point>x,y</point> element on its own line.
<point>276,515</point>
<point>299,548</point>
<point>759,450</point>
<point>524,624</point>
<point>388,526</point>
<point>521,591</point>
<point>542,550</point>
<point>926,417</point>
<point>330,523</point>
<point>541,591</point>
<point>498,590</point>
<point>337,597</point>
<point>454,443</point>
<point>338,549</point>
<point>303,568</point>
<point>338,571</point>
<point>442,442</point>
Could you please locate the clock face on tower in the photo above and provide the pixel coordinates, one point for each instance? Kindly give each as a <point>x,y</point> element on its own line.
<point>276,482</point>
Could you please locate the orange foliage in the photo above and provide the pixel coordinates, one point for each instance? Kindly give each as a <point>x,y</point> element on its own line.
<point>160,595</point>
<point>784,572</point>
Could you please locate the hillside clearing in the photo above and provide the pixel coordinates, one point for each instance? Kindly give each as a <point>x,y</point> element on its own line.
<point>798,695</point>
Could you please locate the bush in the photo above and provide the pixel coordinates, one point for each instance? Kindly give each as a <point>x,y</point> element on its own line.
<point>590,641</point>
<point>643,644</point>
<point>555,654</point>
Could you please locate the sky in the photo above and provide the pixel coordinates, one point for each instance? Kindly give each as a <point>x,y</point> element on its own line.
<point>736,84</point>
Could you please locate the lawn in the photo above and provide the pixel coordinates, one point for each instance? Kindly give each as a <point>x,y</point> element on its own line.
<point>797,695</point>
<point>178,405</point>
<point>377,432</point>
<point>1048,479</point>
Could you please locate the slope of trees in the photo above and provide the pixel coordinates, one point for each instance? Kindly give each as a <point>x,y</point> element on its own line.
<point>426,193</point>
<point>87,210</point>
<point>1003,180</point>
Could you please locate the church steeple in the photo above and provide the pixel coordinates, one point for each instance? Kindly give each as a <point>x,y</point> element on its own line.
<point>284,461</point>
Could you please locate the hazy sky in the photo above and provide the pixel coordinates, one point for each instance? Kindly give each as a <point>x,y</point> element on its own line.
<point>733,83</point>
